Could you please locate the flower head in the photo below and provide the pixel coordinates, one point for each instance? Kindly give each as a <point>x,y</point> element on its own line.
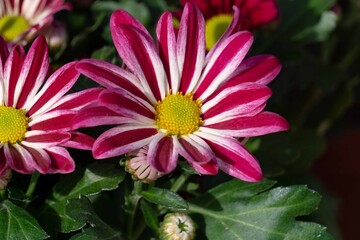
<point>35,116</point>
<point>178,100</point>
<point>248,14</point>
<point>177,226</point>
<point>21,20</point>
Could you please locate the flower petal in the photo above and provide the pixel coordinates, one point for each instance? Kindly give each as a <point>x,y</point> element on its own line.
<point>61,161</point>
<point>4,53</point>
<point>260,124</point>
<point>139,53</point>
<point>122,139</point>
<point>33,72</point>
<point>162,154</point>
<point>233,158</point>
<point>235,101</point>
<point>54,120</point>
<point>225,59</point>
<point>191,47</point>
<point>55,87</point>
<point>209,168</point>
<point>41,158</point>
<point>79,140</point>
<point>111,76</point>
<point>18,158</point>
<point>194,149</point>
<point>43,139</point>
<point>121,17</point>
<point>167,49</point>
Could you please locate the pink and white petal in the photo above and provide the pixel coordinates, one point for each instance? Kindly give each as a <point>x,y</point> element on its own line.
<point>33,72</point>
<point>234,102</point>
<point>261,69</point>
<point>162,154</point>
<point>55,87</point>
<point>111,76</point>
<point>19,159</point>
<point>43,139</point>
<point>78,100</point>
<point>4,53</point>
<point>41,158</point>
<point>121,17</point>
<point>209,168</point>
<point>122,139</point>
<point>128,105</point>
<point>139,53</point>
<point>79,140</point>
<point>53,121</point>
<point>12,71</point>
<point>224,61</point>
<point>61,161</point>
<point>167,49</point>
<point>258,125</point>
<point>194,149</point>
<point>233,27</point>
<point>191,47</point>
<point>233,158</point>
<point>3,163</point>
<point>97,114</point>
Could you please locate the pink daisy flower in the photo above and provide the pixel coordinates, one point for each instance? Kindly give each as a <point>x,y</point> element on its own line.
<point>22,20</point>
<point>178,100</point>
<point>35,116</point>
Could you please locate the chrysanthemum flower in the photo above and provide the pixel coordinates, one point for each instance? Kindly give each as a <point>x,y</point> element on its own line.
<point>35,116</point>
<point>21,20</point>
<point>179,100</point>
<point>218,15</point>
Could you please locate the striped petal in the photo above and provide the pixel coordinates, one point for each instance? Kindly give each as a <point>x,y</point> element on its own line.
<point>79,140</point>
<point>225,59</point>
<point>61,161</point>
<point>261,124</point>
<point>167,49</point>
<point>43,139</point>
<point>210,168</point>
<point>111,76</point>
<point>191,47</point>
<point>33,72</point>
<point>121,17</point>
<point>53,121</point>
<point>233,158</point>
<point>139,53</point>
<point>96,115</point>
<point>194,149</point>
<point>4,54</point>
<point>122,139</point>
<point>241,100</point>
<point>19,159</point>
<point>41,158</point>
<point>162,154</point>
<point>55,87</point>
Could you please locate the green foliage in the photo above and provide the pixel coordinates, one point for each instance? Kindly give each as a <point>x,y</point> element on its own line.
<point>166,198</point>
<point>239,210</point>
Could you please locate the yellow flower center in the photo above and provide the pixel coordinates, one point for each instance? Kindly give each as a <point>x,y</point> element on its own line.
<point>12,26</point>
<point>13,124</point>
<point>215,28</point>
<point>178,114</point>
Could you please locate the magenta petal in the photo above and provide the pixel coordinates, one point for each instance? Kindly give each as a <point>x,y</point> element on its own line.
<point>80,140</point>
<point>126,104</point>
<point>121,17</point>
<point>167,49</point>
<point>3,162</point>
<point>194,149</point>
<point>223,62</point>
<point>33,71</point>
<point>78,100</point>
<point>19,159</point>
<point>233,158</point>
<point>110,76</point>
<point>55,87</point>
<point>61,161</point>
<point>191,47</point>
<point>260,124</point>
<point>162,154</point>
<point>261,69</point>
<point>139,53</point>
<point>41,158</point>
<point>42,139</point>
<point>122,139</point>
<point>12,71</point>
<point>4,53</point>
<point>96,114</point>
<point>210,168</point>
<point>56,120</point>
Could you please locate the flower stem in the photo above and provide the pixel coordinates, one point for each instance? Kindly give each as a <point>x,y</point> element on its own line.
<point>179,182</point>
<point>134,200</point>
<point>33,181</point>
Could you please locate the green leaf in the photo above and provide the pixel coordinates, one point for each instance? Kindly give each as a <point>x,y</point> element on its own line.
<point>240,210</point>
<point>81,210</point>
<point>150,216</point>
<point>16,223</point>
<point>105,53</point>
<point>165,198</point>
<point>94,179</point>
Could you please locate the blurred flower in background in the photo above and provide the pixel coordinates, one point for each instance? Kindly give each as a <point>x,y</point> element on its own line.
<point>22,20</point>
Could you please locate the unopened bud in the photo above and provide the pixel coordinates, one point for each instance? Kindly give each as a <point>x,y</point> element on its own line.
<point>177,226</point>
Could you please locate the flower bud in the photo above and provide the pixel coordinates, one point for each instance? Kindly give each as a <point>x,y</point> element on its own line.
<point>5,178</point>
<point>177,226</point>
